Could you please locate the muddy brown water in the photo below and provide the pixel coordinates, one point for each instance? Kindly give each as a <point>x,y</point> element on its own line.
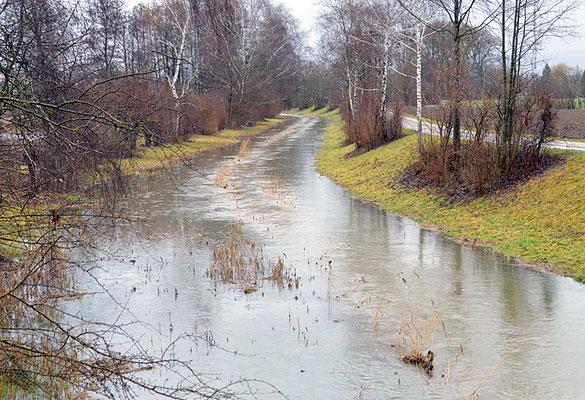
<point>356,263</point>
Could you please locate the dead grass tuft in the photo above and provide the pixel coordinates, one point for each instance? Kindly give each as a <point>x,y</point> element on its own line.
<point>417,334</point>
<point>245,147</point>
<point>239,260</point>
<point>223,175</point>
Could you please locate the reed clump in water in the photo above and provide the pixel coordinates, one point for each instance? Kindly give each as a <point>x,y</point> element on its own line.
<point>245,148</point>
<point>413,336</point>
<point>223,175</point>
<point>417,333</point>
<point>239,260</point>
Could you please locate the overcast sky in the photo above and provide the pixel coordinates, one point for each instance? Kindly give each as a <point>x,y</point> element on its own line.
<point>570,50</point>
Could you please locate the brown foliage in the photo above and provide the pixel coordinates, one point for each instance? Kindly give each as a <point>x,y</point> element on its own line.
<point>259,105</point>
<point>473,171</point>
<point>476,169</point>
<point>210,114</point>
<point>366,129</point>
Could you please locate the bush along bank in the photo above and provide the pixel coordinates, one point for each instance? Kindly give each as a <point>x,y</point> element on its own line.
<point>540,222</point>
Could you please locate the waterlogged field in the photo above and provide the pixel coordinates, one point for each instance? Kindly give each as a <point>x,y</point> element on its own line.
<point>571,124</point>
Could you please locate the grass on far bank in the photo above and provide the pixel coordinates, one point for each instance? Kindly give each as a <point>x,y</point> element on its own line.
<point>541,222</point>
<point>149,158</point>
<point>315,112</point>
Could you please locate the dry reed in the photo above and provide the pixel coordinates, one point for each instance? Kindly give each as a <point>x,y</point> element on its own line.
<point>415,334</point>
<point>239,260</point>
<point>223,175</point>
<point>245,148</point>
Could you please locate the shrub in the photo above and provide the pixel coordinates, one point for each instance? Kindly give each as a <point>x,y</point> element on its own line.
<point>542,124</point>
<point>366,129</point>
<point>207,114</point>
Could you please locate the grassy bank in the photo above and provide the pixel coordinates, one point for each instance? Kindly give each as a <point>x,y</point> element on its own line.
<point>150,158</point>
<point>541,222</point>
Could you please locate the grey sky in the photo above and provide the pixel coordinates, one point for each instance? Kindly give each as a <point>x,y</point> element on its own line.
<point>569,50</point>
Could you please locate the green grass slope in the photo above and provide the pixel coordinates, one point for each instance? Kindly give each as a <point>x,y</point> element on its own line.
<point>541,222</point>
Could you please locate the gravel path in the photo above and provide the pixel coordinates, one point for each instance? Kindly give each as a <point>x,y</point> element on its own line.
<point>431,129</point>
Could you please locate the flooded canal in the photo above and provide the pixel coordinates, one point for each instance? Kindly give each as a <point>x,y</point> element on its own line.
<point>363,274</point>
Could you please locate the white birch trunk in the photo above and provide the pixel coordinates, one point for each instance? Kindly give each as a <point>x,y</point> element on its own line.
<point>419,39</point>
<point>384,88</point>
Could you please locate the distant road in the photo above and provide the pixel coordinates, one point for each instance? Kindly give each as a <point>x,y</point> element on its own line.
<point>432,129</point>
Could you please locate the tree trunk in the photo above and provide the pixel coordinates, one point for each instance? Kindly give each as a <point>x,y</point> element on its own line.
<point>384,100</point>
<point>419,39</point>
<point>456,113</point>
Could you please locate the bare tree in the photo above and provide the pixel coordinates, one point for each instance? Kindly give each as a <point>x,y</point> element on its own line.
<point>176,28</point>
<point>423,12</point>
<point>459,14</point>
<point>522,25</point>
<point>341,24</point>
<point>104,32</point>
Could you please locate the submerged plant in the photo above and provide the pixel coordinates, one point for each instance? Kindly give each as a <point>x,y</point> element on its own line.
<point>274,187</point>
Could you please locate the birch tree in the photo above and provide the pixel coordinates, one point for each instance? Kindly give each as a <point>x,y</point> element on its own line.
<point>387,21</point>
<point>422,11</point>
<point>340,25</point>
<point>176,30</point>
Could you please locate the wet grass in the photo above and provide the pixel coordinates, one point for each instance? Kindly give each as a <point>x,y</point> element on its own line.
<point>27,336</point>
<point>22,226</point>
<point>314,112</point>
<point>165,156</point>
<point>541,221</point>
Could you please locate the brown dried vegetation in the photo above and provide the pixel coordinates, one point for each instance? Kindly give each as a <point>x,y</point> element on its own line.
<point>274,187</point>
<point>366,129</point>
<point>239,260</point>
<point>223,175</point>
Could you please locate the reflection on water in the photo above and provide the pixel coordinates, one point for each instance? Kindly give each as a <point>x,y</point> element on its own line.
<point>355,262</point>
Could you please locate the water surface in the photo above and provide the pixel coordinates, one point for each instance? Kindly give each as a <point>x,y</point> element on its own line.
<point>363,272</point>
